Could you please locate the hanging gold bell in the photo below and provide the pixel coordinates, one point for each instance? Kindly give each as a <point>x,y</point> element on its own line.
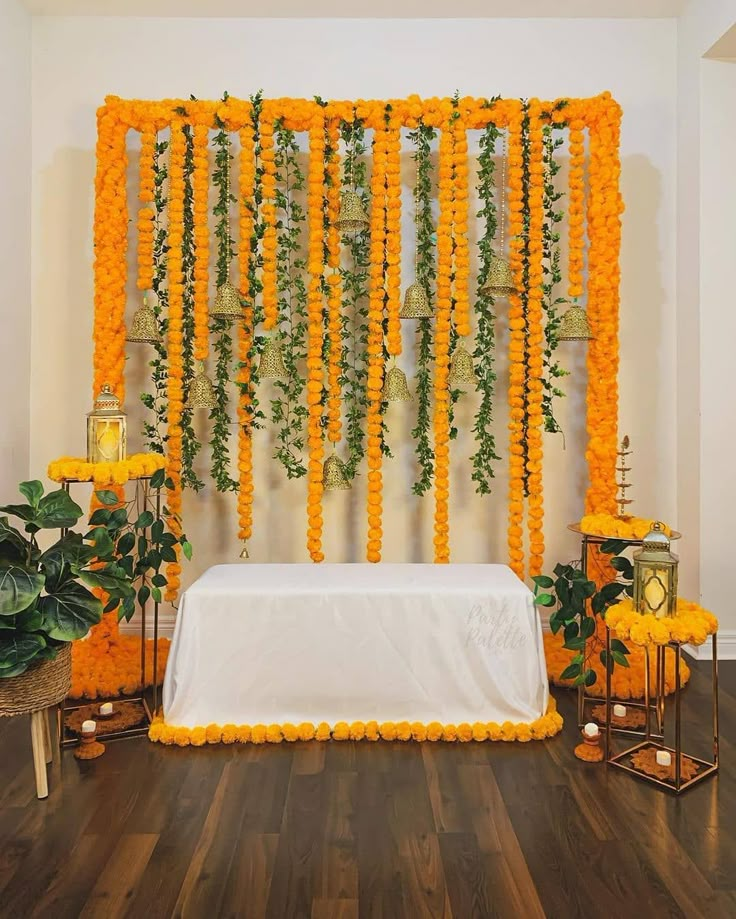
<point>334,475</point>
<point>416,303</point>
<point>395,389</point>
<point>271,366</point>
<point>500,280</point>
<point>227,303</point>
<point>574,326</point>
<point>144,327</point>
<point>352,217</point>
<point>462,371</point>
<point>201,390</point>
<point>244,552</point>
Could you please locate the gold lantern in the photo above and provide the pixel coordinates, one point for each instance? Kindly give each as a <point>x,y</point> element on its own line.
<point>106,429</point>
<point>574,325</point>
<point>655,575</point>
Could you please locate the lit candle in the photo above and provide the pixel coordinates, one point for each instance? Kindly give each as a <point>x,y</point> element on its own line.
<point>663,758</point>
<point>106,709</point>
<point>590,729</point>
<point>619,711</point>
<point>89,727</point>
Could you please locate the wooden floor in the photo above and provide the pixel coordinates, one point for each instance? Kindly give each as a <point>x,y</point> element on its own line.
<point>381,831</point>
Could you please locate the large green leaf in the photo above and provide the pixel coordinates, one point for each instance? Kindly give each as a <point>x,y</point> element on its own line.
<point>18,588</point>
<point>71,612</point>
<point>57,510</point>
<point>64,560</point>
<point>13,545</point>
<point>105,580</point>
<point>24,511</point>
<point>31,491</point>
<point>19,650</point>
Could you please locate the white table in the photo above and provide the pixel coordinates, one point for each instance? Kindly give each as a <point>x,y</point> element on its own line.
<point>292,643</point>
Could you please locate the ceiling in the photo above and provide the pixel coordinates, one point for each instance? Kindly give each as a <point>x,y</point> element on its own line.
<point>376,9</point>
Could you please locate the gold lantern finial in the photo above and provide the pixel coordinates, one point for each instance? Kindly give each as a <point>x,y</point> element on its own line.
<point>395,388</point>
<point>271,365</point>
<point>227,303</point>
<point>655,575</point>
<point>352,217</point>
<point>462,372</point>
<point>574,325</point>
<point>201,390</point>
<point>416,303</point>
<point>144,327</point>
<point>334,474</point>
<point>622,469</point>
<point>500,280</point>
<point>106,429</point>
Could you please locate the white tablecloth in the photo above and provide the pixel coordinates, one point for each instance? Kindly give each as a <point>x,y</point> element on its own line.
<point>291,643</point>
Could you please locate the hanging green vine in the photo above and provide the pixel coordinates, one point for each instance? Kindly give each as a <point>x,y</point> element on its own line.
<point>157,400</point>
<point>426,276</point>
<point>190,444</point>
<point>524,293</point>
<point>287,411</point>
<point>354,357</point>
<point>485,341</point>
<point>221,328</point>
<point>552,277</point>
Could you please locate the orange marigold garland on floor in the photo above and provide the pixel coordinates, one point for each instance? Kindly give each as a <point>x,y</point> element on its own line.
<point>517,337</point>
<point>374,427</point>
<point>334,303</point>
<point>316,210</point>
<point>146,214</point>
<point>443,314</point>
<point>393,234</point>
<point>460,229</point>
<point>200,210</point>
<point>269,243</point>
<point>535,340</point>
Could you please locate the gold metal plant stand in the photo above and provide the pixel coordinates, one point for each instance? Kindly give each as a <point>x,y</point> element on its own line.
<point>703,768</point>
<point>145,496</point>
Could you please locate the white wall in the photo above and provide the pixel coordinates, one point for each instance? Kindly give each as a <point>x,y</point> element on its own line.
<point>77,61</point>
<point>15,235</point>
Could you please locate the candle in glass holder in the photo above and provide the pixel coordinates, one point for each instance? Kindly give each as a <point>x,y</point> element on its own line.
<point>619,711</point>
<point>663,758</point>
<point>89,727</point>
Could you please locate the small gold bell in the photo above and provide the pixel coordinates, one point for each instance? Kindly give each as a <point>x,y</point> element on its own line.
<point>227,303</point>
<point>500,280</point>
<point>574,326</point>
<point>271,366</point>
<point>334,476</point>
<point>244,552</point>
<point>461,368</point>
<point>201,390</point>
<point>144,327</point>
<point>352,217</point>
<point>395,388</point>
<point>416,303</point>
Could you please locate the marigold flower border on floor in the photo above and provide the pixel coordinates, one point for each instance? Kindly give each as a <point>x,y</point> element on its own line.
<point>600,116</point>
<point>547,725</point>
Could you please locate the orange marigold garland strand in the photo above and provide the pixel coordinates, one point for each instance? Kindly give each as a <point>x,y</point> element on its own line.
<point>200,210</point>
<point>575,219</point>
<point>443,317</point>
<point>376,300</point>
<point>146,213</point>
<point>393,234</point>
<point>604,229</point>
<point>517,351</point>
<point>535,339</point>
<point>315,205</point>
<point>461,316</point>
<point>269,245</point>
<point>334,302</point>
<point>175,339</point>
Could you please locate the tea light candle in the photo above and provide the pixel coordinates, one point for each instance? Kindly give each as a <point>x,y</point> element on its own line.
<point>106,709</point>
<point>663,758</point>
<point>590,729</point>
<point>619,711</point>
<point>89,727</point>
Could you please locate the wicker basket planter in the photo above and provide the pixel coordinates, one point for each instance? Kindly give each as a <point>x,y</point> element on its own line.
<point>39,687</point>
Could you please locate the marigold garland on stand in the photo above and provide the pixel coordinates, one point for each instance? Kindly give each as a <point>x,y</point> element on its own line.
<point>200,180</point>
<point>334,291</point>
<point>146,214</point>
<point>393,234</point>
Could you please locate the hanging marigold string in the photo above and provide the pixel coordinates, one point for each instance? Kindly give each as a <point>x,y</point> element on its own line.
<point>445,227</point>
<point>374,385</point>
<point>146,213</point>
<point>517,335</point>
<point>268,183</point>
<point>576,231</point>
<point>316,209</point>
<point>535,340</point>
<point>334,302</point>
<point>393,234</point>
<point>460,229</point>
<point>175,340</point>
<point>200,209</point>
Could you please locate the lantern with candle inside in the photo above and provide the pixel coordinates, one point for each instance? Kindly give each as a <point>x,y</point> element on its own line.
<point>106,429</point>
<point>655,575</point>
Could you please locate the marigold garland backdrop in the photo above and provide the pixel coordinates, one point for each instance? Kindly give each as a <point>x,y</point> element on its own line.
<point>223,186</point>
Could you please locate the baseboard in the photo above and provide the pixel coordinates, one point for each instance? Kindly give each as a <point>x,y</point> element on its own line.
<point>166,622</point>
<point>726,647</point>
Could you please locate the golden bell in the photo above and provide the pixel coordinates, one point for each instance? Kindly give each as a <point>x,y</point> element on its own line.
<point>574,326</point>
<point>227,303</point>
<point>500,280</point>
<point>416,303</point>
<point>352,217</point>
<point>461,368</point>
<point>244,552</point>
<point>334,476</point>
<point>144,327</point>
<point>201,390</point>
<point>271,365</point>
<point>395,388</point>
